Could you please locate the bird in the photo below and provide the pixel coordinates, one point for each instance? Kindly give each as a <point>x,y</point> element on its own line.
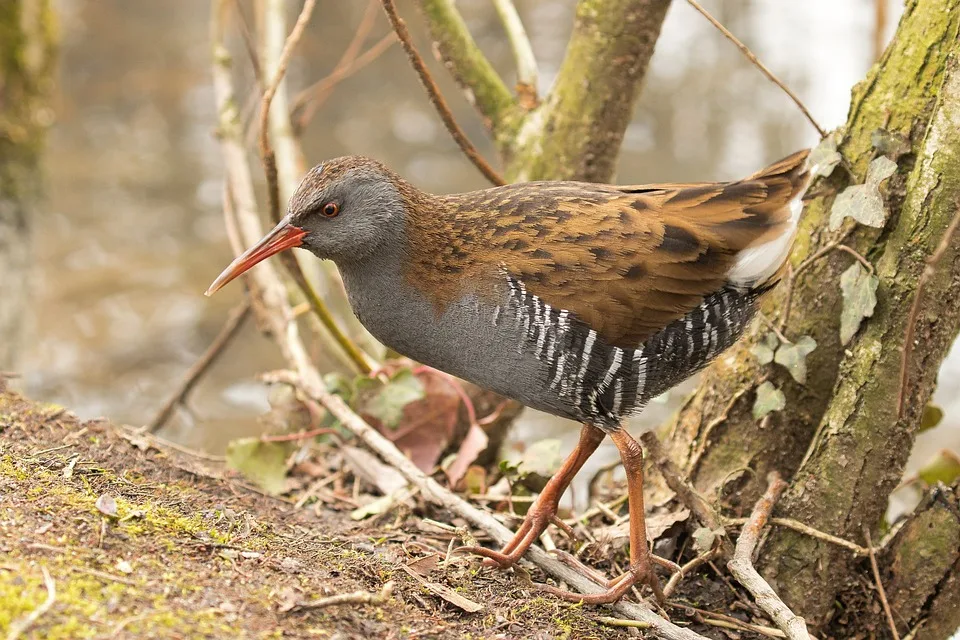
<point>583,300</point>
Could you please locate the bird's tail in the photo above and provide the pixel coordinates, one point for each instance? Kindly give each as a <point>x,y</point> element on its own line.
<point>786,181</point>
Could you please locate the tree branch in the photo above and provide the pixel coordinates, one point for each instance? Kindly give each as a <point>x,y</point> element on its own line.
<point>591,103</point>
<point>522,52</point>
<point>460,54</point>
<point>436,98</point>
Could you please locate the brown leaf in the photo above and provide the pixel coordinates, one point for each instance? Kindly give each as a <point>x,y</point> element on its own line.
<point>107,505</point>
<point>471,447</point>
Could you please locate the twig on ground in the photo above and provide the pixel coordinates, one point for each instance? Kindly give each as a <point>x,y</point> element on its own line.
<point>357,597</point>
<point>230,329</point>
<point>436,98</point>
<point>880,590</point>
<point>743,570</point>
<point>619,622</point>
<point>763,69</point>
<point>685,570</point>
<point>137,436</point>
<point>685,491</point>
<point>796,525</point>
<point>522,52</point>
<point>22,625</point>
<point>912,319</point>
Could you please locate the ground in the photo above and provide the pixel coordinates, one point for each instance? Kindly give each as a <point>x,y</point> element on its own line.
<point>190,554</point>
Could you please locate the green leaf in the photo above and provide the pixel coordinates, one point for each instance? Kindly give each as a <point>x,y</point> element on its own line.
<point>932,415</point>
<point>704,539</point>
<point>387,403</point>
<point>794,357</point>
<point>863,202</point>
<point>264,463</point>
<point>825,156</point>
<point>859,289</point>
<point>764,349</point>
<point>769,398</point>
<point>944,467</point>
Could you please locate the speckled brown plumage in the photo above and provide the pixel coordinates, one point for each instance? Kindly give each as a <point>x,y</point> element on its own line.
<point>627,260</point>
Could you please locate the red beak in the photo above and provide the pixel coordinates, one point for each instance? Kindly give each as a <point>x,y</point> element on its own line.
<point>284,236</point>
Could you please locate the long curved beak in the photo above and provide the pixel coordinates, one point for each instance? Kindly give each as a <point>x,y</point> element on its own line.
<point>283,236</point>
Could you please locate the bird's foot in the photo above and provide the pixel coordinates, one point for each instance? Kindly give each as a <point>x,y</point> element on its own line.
<point>640,572</point>
<point>535,523</point>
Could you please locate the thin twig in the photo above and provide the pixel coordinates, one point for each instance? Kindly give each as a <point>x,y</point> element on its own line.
<point>880,590</point>
<point>21,626</point>
<point>743,570</point>
<point>522,52</point>
<point>879,27</point>
<point>620,622</point>
<point>436,98</point>
<point>268,157</point>
<point>307,102</point>
<point>357,597</point>
<point>763,69</point>
<point>229,331</point>
<point>729,622</point>
<point>912,319</point>
<point>798,526</point>
<point>266,152</point>
<point>686,569</point>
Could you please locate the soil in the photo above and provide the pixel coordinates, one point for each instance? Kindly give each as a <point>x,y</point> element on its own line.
<point>106,532</point>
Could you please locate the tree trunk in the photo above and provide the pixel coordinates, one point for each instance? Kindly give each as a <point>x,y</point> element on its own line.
<point>26,78</point>
<point>840,434</point>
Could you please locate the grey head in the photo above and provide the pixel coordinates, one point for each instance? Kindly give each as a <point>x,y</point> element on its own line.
<point>350,208</point>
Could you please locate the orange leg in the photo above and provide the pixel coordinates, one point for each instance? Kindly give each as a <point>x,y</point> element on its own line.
<point>641,560</point>
<point>544,510</point>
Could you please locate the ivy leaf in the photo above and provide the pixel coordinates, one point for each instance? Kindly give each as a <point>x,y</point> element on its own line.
<point>542,458</point>
<point>794,357</point>
<point>889,143</point>
<point>859,299</point>
<point>769,398</point>
<point>763,350</point>
<point>863,202</point>
<point>387,403</point>
<point>264,463</point>
<point>825,156</point>
<point>932,416</point>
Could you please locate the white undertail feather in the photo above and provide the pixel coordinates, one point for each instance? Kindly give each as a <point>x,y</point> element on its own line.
<point>758,264</point>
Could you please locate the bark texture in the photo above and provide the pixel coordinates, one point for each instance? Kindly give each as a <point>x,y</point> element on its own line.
<point>26,48</point>
<point>840,434</point>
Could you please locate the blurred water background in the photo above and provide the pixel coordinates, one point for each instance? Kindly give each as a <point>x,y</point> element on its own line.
<point>131,231</point>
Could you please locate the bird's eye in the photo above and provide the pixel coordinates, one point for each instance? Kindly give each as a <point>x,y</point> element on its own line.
<point>330,210</point>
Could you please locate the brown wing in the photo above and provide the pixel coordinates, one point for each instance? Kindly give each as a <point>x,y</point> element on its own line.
<point>626,260</point>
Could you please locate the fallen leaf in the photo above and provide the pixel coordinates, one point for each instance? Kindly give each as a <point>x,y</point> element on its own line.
<point>859,289</point>
<point>382,504</point>
<point>863,202</point>
<point>387,403</point>
<point>769,398</point>
<point>107,505</point>
<point>765,349</point>
<point>889,143</point>
<point>264,463</point>
<point>793,357</point>
<point>618,535</point>
<point>704,539</point>
<point>825,156</point>
<point>124,567</point>
<point>471,447</point>
<point>423,566</point>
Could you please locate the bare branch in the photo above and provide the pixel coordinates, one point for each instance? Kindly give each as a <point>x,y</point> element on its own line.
<point>743,570</point>
<point>357,597</point>
<point>759,65</point>
<point>522,52</point>
<point>230,329</point>
<point>461,56</point>
<point>436,98</point>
